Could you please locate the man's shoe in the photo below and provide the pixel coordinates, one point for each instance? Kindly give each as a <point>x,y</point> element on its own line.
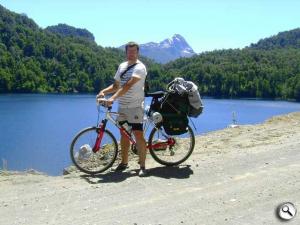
<point>142,172</point>
<point>121,167</point>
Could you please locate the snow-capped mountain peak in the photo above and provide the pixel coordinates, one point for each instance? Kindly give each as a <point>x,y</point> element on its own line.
<point>168,49</point>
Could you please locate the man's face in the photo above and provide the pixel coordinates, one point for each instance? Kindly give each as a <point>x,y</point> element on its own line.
<point>132,53</point>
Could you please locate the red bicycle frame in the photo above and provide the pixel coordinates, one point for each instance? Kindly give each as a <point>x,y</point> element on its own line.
<point>161,145</point>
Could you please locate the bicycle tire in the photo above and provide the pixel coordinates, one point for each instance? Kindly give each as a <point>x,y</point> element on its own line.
<point>157,158</point>
<point>73,149</point>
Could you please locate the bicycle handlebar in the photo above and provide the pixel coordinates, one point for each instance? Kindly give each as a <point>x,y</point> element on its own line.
<point>103,102</point>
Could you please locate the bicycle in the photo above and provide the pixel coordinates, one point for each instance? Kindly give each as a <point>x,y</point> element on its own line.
<point>94,149</point>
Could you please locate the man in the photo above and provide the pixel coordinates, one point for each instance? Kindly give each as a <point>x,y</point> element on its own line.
<point>128,88</point>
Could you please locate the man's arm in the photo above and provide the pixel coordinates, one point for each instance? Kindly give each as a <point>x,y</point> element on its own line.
<point>110,89</point>
<point>123,89</point>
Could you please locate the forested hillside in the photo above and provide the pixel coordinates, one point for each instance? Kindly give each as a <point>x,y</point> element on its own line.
<point>34,60</point>
<point>242,73</point>
<point>69,31</point>
<point>281,40</point>
<point>268,69</point>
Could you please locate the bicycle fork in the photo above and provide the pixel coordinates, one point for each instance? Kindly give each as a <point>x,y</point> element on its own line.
<point>101,132</point>
<point>99,136</point>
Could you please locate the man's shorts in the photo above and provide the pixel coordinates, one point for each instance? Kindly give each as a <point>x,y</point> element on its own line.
<point>134,117</point>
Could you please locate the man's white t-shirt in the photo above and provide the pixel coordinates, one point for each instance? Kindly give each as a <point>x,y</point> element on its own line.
<point>134,97</point>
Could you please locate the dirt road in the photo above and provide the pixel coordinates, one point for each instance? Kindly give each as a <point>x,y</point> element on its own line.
<point>235,176</point>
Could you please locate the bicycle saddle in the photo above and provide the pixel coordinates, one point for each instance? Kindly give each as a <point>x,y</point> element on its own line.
<point>157,94</point>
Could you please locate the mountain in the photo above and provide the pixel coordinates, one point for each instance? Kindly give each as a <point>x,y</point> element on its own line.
<point>281,40</point>
<point>167,50</point>
<point>66,30</point>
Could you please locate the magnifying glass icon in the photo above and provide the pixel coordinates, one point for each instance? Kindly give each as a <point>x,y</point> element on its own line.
<point>286,209</point>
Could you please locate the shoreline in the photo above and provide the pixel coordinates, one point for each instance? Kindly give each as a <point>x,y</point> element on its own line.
<point>252,168</point>
<point>202,97</point>
<point>200,139</point>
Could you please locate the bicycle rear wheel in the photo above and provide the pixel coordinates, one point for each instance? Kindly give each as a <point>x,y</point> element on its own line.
<point>171,150</point>
<point>83,156</point>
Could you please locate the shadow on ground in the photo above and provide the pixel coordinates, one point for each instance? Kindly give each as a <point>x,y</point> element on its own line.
<point>177,172</point>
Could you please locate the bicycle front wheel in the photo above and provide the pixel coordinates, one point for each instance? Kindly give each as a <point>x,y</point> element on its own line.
<point>171,150</point>
<point>88,161</point>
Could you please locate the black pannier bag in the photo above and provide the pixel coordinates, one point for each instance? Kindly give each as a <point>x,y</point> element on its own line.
<point>174,108</point>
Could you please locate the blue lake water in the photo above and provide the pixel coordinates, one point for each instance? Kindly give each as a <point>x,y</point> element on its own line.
<point>36,130</point>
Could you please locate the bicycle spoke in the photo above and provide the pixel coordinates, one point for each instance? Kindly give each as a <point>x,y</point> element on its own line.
<point>93,162</point>
<point>177,149</point>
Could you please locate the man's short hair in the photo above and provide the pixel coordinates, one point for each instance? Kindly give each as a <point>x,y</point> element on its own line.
<point>132,44</point>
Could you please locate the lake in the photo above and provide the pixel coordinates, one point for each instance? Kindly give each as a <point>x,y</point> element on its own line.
<point>36,130</point>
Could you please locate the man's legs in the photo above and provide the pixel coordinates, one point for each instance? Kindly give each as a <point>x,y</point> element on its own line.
<point>141,146</point>
<point>125,144</point>
<point>134,117</point>
<point>142,150</point>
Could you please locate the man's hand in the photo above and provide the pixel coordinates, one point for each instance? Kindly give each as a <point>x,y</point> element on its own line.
<point>100,95</point>
<point>109,102</point>
<point>105,102</point>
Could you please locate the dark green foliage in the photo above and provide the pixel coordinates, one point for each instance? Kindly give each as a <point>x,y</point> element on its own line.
<point>38,61</point>
<point>242,73</point>
<point>33,60</point>
<point>254,72</point>
<point>282,40</point>
<point>66,30</point>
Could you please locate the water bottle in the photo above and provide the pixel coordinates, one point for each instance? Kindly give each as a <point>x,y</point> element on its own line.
<point>146,112</point>
<point>127,127</point>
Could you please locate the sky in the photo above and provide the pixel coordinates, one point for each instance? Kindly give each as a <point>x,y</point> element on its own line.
<point>205,24</point>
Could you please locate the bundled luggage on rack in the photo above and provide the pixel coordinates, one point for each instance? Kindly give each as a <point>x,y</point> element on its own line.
<point>182,100</point>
